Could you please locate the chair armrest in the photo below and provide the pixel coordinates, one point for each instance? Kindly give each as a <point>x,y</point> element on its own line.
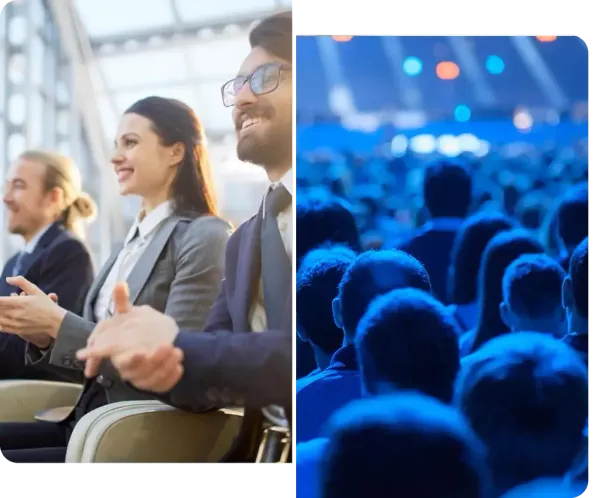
<point>20,400</point>
<point>150,431</point>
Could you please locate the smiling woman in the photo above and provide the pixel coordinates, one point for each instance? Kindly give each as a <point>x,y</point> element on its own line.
<point>154,159</point>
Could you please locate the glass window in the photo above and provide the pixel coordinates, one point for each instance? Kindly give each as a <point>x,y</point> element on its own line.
<point>141,69</point>
<point>36,120</point>
<point>194,11</point>
<point>110,17</point>
<point>36,60</point>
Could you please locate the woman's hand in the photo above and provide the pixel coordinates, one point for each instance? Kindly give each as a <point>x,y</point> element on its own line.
<point>30,316</point>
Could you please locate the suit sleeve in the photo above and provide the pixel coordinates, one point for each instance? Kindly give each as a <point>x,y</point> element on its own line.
<point>219,317</point>
<point>221,369</point>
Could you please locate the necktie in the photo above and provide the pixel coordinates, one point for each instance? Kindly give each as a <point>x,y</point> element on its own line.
<point>20,263</point>
<point>276,267</point>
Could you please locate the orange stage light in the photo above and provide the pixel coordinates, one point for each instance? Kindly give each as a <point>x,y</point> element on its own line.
<point>342,38</point>
<point>546,38</point>
<point>447,70</point>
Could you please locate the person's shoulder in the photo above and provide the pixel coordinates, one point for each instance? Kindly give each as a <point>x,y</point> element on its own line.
<point>207,226</point>
<point>68,241</point>
<point>325,378</point>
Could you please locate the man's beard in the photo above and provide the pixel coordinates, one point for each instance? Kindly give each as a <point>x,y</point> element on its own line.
<point>268,152</point>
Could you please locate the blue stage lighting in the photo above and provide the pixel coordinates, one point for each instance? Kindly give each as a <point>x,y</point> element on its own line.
<point>494,64</point>
<point>412,66</point>
<point>462,113</point>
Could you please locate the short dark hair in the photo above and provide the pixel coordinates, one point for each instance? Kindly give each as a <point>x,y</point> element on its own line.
<point>447,189</point>
<point>573,213</point>
<point>409,340</point>
<point>526,397</point>
<point>501,251</point>
<point>317,284</point>
<point>192,191</point>
<point>471,240</point>
<point>275,35</point>
<point>375,273</point>
<point>405,442</point>
<point>324,221</point>
<point>578,271</point>
<point>532,285</point>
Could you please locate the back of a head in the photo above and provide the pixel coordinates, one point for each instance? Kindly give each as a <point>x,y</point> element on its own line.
<point>501,251</point>
<point>526,397</point>
<point>532,286</point>
<point>375,273</point>
<point>62,173</point>
<point>578,273</point>
<point>317,284</point>
<point>471,241</point>
<point>407,340</point>
<point>321,221</point>
<point>447,189</point>
<point>572,223</point>
<point>408,443</point>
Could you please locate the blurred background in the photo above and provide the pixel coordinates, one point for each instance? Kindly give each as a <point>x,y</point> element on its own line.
<point>371,111</point>
<point>69,68</point>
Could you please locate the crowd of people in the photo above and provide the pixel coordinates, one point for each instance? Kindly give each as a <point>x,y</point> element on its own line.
<point>132,331</point>
<point>442,324</point>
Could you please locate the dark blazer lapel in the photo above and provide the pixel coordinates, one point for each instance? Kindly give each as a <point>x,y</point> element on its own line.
<point>143,268</point>
<point>248,275</point>
<point>53,231</point>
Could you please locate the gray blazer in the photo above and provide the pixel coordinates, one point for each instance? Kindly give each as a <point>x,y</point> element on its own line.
<point>179,274</point>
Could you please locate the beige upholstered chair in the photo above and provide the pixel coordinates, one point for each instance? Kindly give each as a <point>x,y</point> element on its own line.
<point>131,431</point>
<point>20,400</point>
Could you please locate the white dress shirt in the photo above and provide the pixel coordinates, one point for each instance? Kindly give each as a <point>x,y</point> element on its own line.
<point>146,227</point>
<point>258,315</point>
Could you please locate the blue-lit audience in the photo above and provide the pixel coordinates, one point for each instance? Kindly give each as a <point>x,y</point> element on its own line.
<point>465,261</point>
<point>532,296</point>
<point>447,198</point>
<point>500,252</point>
<point>372,274</point>
<point>402,445</point>
<point>526,397</point>
<point>575,300</point>
<point>317,284</point>
<point>469,338</point>
<point>407,340</point>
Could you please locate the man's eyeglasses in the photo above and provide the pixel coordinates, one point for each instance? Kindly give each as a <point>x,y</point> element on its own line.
<point>264,79</point>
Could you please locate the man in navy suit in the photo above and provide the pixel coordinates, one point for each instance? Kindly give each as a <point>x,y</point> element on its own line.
<point>43,198</point>
<point>447,196</point>
<point>252,366</point>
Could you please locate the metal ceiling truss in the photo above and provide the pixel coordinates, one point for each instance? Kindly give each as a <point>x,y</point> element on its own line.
<point>176,35</point>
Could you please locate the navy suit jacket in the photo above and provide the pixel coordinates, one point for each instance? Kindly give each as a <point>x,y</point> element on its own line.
<point>432,246</point>
<point>60,263</point>
<point>227,364</point>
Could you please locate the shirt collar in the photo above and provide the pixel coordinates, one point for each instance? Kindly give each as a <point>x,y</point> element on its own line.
<point>287,181</point>
<point>150,221</point>
<point>30,246</point>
